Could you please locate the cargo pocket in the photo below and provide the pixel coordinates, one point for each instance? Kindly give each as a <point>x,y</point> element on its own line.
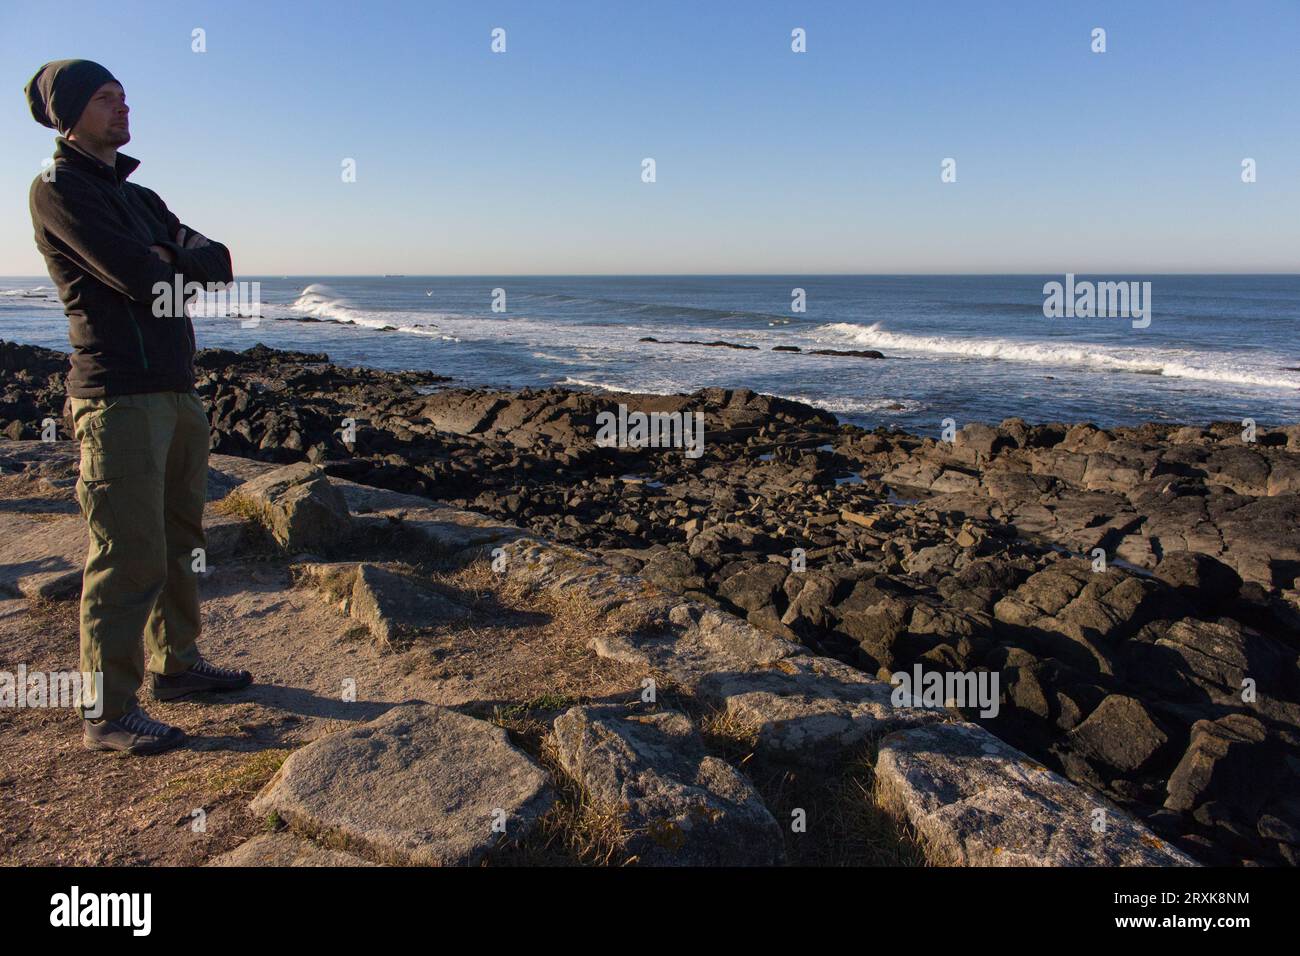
<point>115,438</point>
<point>116,489</point>
<point>98,464</point>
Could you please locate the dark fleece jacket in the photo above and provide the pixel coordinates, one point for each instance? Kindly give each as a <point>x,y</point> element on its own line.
<point>94,230</point>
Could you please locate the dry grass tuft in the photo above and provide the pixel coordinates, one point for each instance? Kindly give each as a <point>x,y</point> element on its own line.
<point>846,823</point>
<point>575,831</point>
<point>728,736</point>
<point>239,505</point>
<point>240,777</point>
<point>334,583</point>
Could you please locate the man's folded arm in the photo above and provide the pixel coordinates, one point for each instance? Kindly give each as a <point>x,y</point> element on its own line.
<point>79,222</point>
<point>210,263</point>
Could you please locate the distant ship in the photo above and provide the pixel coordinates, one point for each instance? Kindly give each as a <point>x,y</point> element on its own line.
<point>394,275</point>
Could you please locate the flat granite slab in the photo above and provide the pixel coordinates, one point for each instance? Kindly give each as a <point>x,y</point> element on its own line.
<point>43,558</point>
<point>976,801</point>
<point>421,785</point>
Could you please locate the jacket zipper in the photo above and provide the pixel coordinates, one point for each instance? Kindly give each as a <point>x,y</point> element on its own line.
<point>177,347</point>
<point>139,336</point>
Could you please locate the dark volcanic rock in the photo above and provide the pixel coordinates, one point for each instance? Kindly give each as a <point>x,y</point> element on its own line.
<point>1224,764</point>
<point>1210,661</point>
<point>1203,581</point>
<point>1120,734</point>
<point>880,548</point>
<point>851,353</point>
<point>717,344</point>
<point>754,587</point>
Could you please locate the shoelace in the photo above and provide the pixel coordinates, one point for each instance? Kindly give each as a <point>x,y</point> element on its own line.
<point>138,722</point>
<point>204,669</point>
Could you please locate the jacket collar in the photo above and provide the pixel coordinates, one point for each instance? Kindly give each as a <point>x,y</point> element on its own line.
<point>71,153</point>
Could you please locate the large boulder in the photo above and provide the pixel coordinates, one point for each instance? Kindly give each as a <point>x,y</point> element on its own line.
<point>678,806</point>
<point>1120,734</point>
<point>811,596</point>
<point>1228,762</point>
<point>672,570</point>
<point>980,442</point>
<point>299,506</point>
<point>754,587</point>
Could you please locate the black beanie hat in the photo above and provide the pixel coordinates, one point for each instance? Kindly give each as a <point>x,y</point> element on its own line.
<point>60,90</point>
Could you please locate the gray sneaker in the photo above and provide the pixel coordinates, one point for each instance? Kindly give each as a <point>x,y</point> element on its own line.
<point>133,733</point>
<point>202,677</point>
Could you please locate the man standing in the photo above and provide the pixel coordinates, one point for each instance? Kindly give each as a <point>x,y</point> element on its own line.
<point>110,246</point>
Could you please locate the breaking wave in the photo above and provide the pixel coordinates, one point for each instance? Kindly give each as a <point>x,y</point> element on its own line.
<point>1222,367</point>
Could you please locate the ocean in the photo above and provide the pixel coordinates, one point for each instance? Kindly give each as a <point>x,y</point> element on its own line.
<point>970,348</point>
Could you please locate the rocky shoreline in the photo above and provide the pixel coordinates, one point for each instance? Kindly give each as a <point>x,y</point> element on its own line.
<point>1162,675</point>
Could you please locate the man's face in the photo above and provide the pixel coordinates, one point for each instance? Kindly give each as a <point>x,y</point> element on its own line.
<point>104,120</point>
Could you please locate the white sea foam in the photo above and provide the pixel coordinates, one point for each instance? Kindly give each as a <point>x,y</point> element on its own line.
<point>1202,366</point>
<point>860,406</point>
<point>585,383</point>
<point>839,406</point>
<point>39,295</point>
<point>583,359</point>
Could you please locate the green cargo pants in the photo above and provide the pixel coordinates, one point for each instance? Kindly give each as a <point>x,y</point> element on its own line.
<point>144,476</point>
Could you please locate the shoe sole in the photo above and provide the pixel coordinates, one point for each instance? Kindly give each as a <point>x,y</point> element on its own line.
<point>144,750</point>
<point>179,692</point>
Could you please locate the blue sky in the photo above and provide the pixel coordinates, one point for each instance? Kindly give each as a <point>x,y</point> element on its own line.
<point>529,162</point>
